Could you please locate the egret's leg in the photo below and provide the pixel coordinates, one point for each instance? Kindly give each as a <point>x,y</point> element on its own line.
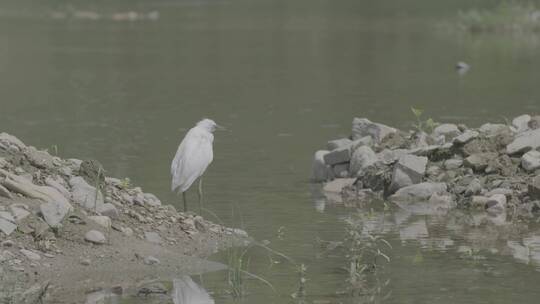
<point>185,201</point>
<point>200,195</point>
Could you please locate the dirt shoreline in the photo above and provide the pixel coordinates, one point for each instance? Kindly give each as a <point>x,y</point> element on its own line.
<point>66,229</point>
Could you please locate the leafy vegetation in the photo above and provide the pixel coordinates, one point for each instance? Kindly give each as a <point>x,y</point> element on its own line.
<point>423,125</point>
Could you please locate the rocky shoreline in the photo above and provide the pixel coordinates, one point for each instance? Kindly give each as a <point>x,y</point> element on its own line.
<point>67,229</point>
<point>494,167</point>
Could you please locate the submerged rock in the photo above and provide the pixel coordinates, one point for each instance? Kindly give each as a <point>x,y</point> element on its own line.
<point>422,191</point>
<point>338,184</point>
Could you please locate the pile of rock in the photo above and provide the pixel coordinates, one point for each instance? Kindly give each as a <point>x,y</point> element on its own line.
<point>56,212</point>
<point>489,167</point>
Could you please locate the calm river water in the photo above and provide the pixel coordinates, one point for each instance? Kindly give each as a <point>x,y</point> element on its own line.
<point>284,77</point>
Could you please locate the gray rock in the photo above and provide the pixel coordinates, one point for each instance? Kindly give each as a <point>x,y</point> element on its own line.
<point>341,155</point>
<point>364,141</point>
<point>433,171</point>
<point>337,185</point>
<point>362,159</point>
<point>534,188</point>
<point>490,129</point>
<point>152,237</point>
<point>341,170</point>
<point>388,156</point>
<point>449,131</point>
<point>18,213</point>
<point>84,194</point>
<point>6,226</point>
<point>152,200</point>
<point>479,161</point>
<point>321,172</point>
<point>452,164</point>
<point>408,170</point>
<point>503,191</point>
<point>473,188</point>
<point>109,210</point>
<point>55,183</point>
<point>10,140</point>
<point>39,159</point>
<point>102,220</point>
<point>466,136</point>
<point>534,123</point>
<point>530,161</point>
<point>54,212</point>
<point>364,127</point>
<point>479,202</point>
<point>526,141</point>
<point>30,255</point>
<point>5,192</point>
<point>496,203</point>
<point>150,260</point>
<point>96,237</point>
<point>422,191</point>
<point>338,143</point>
<point>521,123</point>
<point>7,216</point>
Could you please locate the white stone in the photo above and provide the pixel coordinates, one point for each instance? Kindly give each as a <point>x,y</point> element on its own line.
<point>521,123</point>
<point>526,141</point>
<point>337,185</point>
<point>530,161</point>
<point>103,221</point>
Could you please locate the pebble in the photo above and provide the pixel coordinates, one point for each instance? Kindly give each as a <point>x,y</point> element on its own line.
<point>94,236</point>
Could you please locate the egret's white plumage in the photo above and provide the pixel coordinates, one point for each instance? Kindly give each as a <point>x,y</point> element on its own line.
<point>193,156</point>
<point>185,291</point>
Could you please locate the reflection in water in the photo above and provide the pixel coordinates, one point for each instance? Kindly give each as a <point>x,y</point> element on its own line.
<point>185,291</point>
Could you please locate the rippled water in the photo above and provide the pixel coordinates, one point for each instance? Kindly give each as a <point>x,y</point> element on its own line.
<point>283,77</point>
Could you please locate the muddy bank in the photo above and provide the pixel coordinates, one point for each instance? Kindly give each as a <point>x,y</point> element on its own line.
<point>67,229</point>
<point>494,167</point>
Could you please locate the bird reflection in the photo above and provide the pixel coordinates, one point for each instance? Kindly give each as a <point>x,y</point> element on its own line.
<point>185,291</point>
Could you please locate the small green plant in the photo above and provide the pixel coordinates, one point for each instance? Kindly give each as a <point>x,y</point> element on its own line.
<point>237,265</point>
<point>53,149</point>
<point>423,125</point>
<point>300,293</point>
<point>125,183</point>
<point>365,254</point>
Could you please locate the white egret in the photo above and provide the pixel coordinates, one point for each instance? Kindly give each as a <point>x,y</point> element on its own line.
<point>185,291</point>
<point>192,158</point>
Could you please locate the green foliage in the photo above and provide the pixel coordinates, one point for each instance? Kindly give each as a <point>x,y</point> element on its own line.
<point>366,254</point>
<point>423,125</point>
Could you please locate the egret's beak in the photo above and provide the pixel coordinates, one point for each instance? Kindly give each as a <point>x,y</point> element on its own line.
<point>220,128</point>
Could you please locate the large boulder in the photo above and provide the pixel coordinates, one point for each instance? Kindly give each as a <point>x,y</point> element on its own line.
<point>409,170</point>
<point>85,195</point>
<point>362,158</point>
<point>422,191</point>
<point>526,141</point>
<point>362,127</point>
<point>337,156</point>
